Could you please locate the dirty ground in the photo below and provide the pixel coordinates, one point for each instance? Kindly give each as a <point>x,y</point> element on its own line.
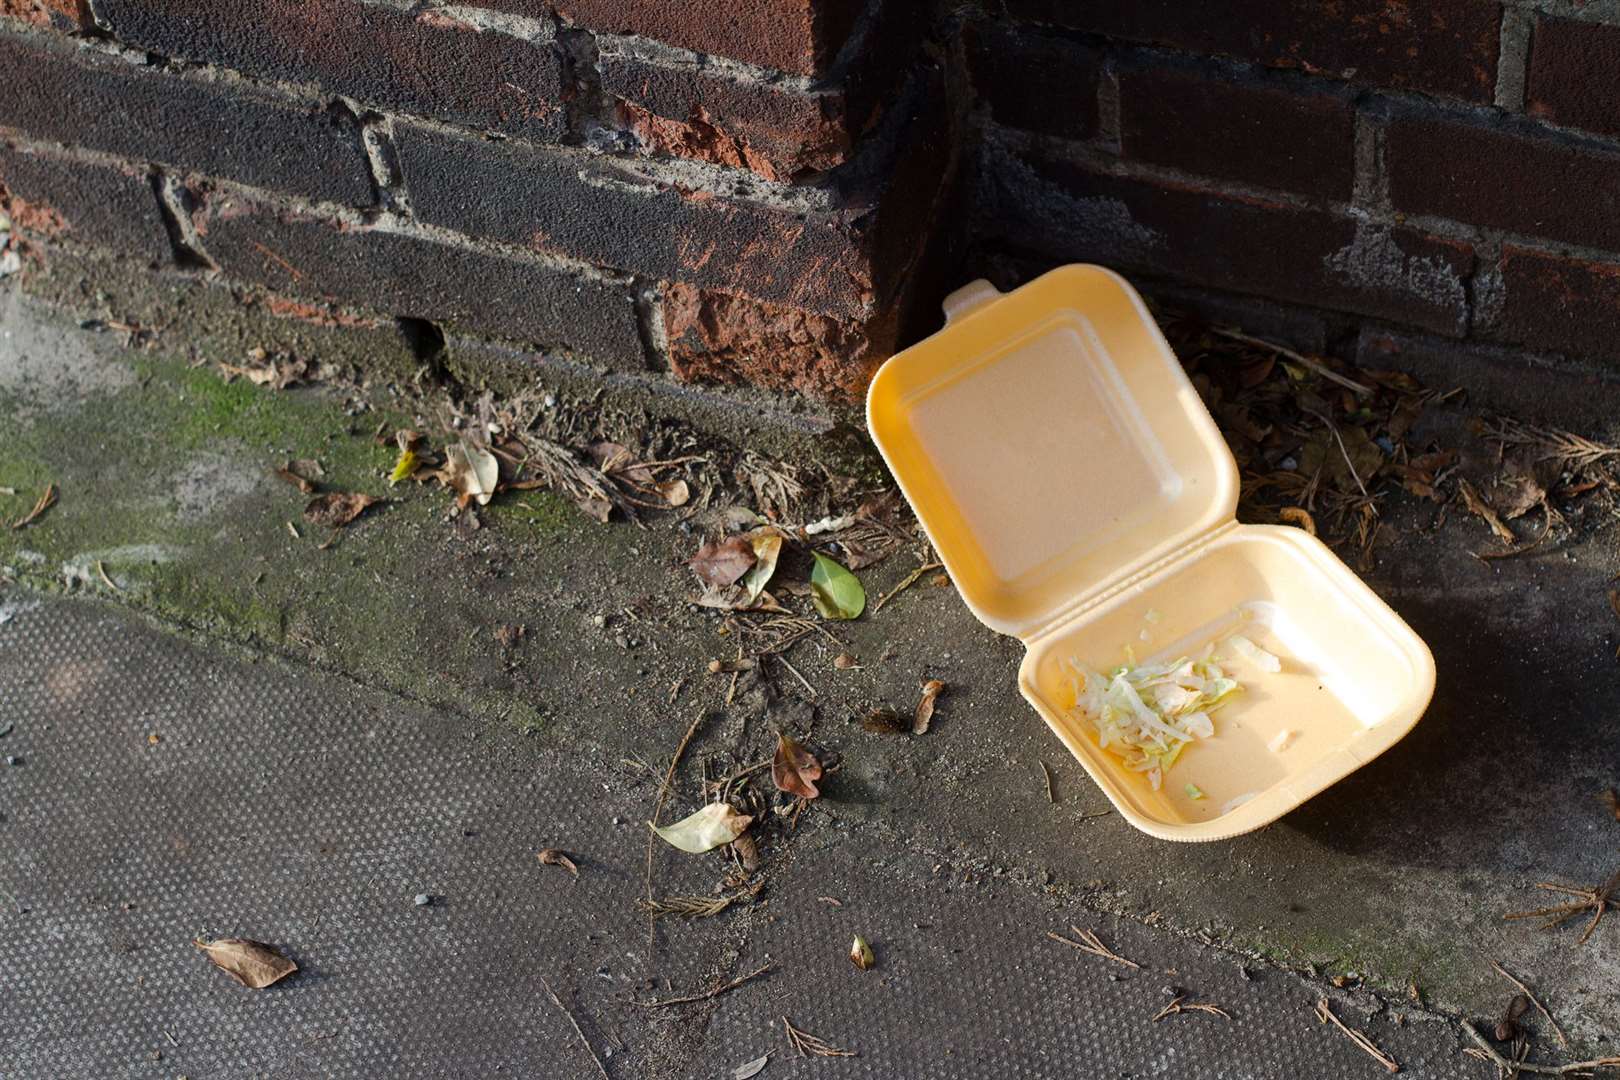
<point>222,729</point>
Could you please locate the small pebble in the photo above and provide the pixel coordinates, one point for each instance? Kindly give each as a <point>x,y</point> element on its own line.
<point>599,620</point>
<point>13,759</point>
<point>422,899</point>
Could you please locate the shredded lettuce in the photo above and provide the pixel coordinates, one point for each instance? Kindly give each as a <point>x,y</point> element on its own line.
<point>1147,714</point>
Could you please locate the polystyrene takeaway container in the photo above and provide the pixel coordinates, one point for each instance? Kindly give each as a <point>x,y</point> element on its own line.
<point>1081,497</point>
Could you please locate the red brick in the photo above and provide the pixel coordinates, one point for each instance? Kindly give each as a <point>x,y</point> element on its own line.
<point>70,95</point>
<point>843,254</point>
<point>1554,304</point>
<point>54,198</point>
<point>781,129</point>
<point>1516,176</point>
<point>719,338</point>
<point>54,14</point>
<point>797,36</point>
<point>403,274</point>
<point>694,112</point>
<point>1036,80</point>
<point>1574,74</point>
<point>1209,122</point>
<point>384,57</point>
<point>1446,47</point>
<point>1066,213</point>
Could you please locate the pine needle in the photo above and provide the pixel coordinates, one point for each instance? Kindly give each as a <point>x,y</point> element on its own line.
<point>809,1046</point>
<point>1324,1013</point>
<point>1090,943</point>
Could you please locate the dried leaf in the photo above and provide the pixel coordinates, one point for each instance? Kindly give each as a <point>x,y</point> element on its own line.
<point>336,509</point>
<point>836,592</point>
<point>925,707</point>
<point>707,829</point>
<point>795,770</point>
<point>674,492</point>
<point>251,963</point>
<point>1476,504</point>
<point>615,459</point>
<point>886,722</point>
<point>1523,484</point>
<point>724,562</point>
<point>1612,799</point>
<point>752,1069</point>
<point>471,472</point>
<point>843,662</point>
<point>860,954</point>
<point>767,547</point>
<point>553,857</point>
<point>302,475</point>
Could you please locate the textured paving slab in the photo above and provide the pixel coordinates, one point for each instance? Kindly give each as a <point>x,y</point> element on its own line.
<point>303,810</point>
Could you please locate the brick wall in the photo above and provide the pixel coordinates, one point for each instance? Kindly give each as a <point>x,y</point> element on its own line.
<point>777,192</point>
<point>1450,168</point>
<point>573,178</point>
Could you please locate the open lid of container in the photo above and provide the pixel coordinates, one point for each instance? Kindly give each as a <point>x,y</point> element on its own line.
<point>1050,443</point>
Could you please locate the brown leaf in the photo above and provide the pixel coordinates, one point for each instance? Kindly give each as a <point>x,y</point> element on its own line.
<point>1476,504</point>
<point>251,963</point>
<point>795,769</point>
<point>747,851</point>
<point>336,509</point>
<point>617,460</point>
<point>886,722</point>
<point>553,857</point>
<point>724,562</point>
<point>925,708</point>
<point>1523,485</point>
<point>674,492</point>
<point>297,477</point>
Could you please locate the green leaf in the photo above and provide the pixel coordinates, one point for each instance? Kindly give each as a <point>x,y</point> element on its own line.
<point>837,593</point>
<point>710,827</point>
<point>405,467</point>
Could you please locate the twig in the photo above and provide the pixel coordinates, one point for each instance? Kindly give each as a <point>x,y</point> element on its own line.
<point>1051,798</point>
<point>1596,900</point>
<point>557,1001</point>
<point>1090,943</point>
<point>1298,358</point>
<point>795,673</point>
<point>658,808</point>
<point>1177,1006</point>
<point>105,580</point>
<point>47,499</point>
<point>807,1044</point>
<point>910,580</point>
<point>1543,1070</point>
<point>713,992</point>
<point>1502,971</point>
<point>1324,1013</point>
<point>1343,450</point>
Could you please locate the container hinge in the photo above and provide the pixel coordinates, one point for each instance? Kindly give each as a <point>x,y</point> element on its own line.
<point>1077,608</point>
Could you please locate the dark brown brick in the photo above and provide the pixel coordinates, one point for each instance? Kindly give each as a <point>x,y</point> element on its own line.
<point>1555,304</point>
<point>719,338</point>
<point>1446,47</point>
<point>1036,80</point>
<point>426,62</point>
<point>841,260</point>
<point>797,36</point>
<point>222,127</point>
<point>53,14</point>
<point>408,275</point>
<point>1520,177</point>
<point>1209,122</point>
<point>1574,74</point>
<point>54,198</point>
<point>1066,213</point>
